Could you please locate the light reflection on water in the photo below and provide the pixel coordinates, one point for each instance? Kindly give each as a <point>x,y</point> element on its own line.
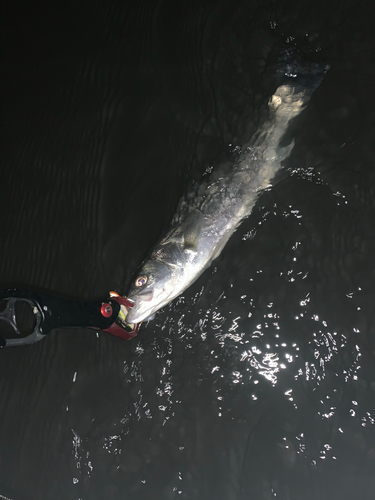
<point>259,353</point>
<point>238,342</point>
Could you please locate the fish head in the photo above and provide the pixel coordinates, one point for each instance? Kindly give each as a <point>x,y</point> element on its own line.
<point>151,290</point>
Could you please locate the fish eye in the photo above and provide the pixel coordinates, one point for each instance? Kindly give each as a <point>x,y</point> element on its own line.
<point>141,280</point>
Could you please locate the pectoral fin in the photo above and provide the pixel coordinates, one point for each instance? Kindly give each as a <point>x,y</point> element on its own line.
<point>187,234</point>
<point>192,230</point>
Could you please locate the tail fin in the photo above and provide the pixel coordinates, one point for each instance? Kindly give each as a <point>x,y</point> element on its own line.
<point>296,71</point>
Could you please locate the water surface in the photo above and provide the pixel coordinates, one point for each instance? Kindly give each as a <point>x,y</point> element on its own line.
<point>259,381</point>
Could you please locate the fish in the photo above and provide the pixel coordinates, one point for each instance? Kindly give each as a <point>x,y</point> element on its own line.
<point>222,201</point>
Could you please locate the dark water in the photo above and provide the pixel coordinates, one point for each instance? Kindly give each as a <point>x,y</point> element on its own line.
<point>259,382</point>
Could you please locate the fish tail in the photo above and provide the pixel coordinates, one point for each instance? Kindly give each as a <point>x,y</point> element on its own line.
<point>296,70</point>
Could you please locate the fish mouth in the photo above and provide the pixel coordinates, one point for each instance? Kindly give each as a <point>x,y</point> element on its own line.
<point>143,309</point>
<point>144,295</point>
<point>136,314</point>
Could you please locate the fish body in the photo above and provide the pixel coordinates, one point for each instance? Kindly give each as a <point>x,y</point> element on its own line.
<point>218,207</point>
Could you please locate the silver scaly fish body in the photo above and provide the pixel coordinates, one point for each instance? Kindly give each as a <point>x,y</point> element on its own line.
<point>216,211</point>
